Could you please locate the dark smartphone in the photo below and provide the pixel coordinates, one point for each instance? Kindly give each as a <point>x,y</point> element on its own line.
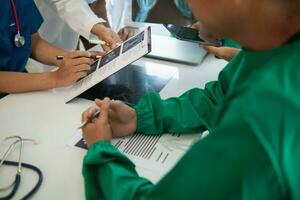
<point>190,35</point>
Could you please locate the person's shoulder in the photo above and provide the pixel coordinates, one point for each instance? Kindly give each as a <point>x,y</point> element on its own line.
<point>278,74</point>
<point>272,84</point>
<point>288,54</point>
<point>25,8</point>
<point>269,99</point>
<point>32,18</point>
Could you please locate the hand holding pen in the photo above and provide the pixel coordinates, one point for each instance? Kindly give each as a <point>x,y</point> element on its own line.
<point>108,38</point>
<point>93,115</point>
<point>96,112</point>
<point>96,128</point>
<point>121,120</point>
<point>74,66</point>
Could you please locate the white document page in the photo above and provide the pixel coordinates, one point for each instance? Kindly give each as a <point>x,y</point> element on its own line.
<point>152,152</point>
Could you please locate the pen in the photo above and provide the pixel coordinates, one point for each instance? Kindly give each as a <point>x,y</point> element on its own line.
<point>96,115</point>
<point>59,57</point>
<point>95,41</point>
<point>101,42</point>
<point>94,57</point>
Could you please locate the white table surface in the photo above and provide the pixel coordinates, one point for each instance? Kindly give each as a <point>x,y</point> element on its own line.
<point>44,116</point>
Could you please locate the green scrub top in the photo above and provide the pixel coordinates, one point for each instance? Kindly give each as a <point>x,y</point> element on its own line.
<point>252,151</point>
<point>230,43</point>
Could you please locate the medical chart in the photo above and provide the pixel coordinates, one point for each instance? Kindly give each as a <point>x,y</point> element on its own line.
<point>153,152</point>
<point>118,58</point>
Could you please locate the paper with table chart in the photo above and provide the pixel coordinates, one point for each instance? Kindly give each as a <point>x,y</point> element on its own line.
<point>153,152</point>
<point>118,58</point>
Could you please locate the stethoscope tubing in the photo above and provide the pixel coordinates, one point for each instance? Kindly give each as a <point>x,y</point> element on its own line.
<point>18,180</point>
<point>13,6</point>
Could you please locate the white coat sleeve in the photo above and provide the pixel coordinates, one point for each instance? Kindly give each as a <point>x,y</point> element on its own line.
<point>77,14</point>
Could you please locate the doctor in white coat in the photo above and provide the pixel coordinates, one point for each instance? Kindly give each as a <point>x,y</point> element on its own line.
<point>65,20</point>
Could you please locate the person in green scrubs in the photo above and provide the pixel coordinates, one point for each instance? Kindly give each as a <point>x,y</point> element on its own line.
<point>252,113</point>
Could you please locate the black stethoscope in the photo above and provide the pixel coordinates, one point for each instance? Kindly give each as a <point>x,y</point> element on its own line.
<point>13,187</point>
<point>19,40</point>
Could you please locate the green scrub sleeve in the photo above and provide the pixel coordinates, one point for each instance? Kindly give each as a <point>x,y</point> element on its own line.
<point>193,112</point>
<point>105,172</point>
<point>226,164</point>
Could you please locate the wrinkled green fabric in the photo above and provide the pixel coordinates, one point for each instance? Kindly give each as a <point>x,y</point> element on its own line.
<point>252,151</point>
<point>230,43</point>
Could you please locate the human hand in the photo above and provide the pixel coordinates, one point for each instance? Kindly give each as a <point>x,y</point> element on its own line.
<point>73,67</point>
<point>226,53</point>
<point>203,33</point>
<point>122,118</point>
<point>99,128</point>
<point>106,34</point>
<point>97,54</point>
<point>127,32</point>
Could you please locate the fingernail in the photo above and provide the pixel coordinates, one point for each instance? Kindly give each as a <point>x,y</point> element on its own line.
<point>90,110</point>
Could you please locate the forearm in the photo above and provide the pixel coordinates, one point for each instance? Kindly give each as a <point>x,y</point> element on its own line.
<point>16,82</point>
<point>99,8</point>
<point>193,112</point>
<point>105,169</point>
<point>78,15</point>
<point>44,52</point>
<point>97,29</point>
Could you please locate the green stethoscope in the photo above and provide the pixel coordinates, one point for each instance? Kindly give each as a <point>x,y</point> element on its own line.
<point>16,183</point>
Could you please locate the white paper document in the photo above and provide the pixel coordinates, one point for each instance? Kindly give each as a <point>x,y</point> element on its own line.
<point>118,58</point>
<point>152,152</point>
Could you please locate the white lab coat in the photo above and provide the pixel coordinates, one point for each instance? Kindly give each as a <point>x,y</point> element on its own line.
<point>119,13</point>
<point>65,20</point>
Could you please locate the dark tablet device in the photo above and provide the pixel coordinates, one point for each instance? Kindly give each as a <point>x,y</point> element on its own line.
<point>190,35</point>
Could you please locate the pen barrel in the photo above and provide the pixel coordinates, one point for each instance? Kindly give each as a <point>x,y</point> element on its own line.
<point>59,57</point>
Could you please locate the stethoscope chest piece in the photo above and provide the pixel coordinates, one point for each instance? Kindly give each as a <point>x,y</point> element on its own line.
<point>19,40</point>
